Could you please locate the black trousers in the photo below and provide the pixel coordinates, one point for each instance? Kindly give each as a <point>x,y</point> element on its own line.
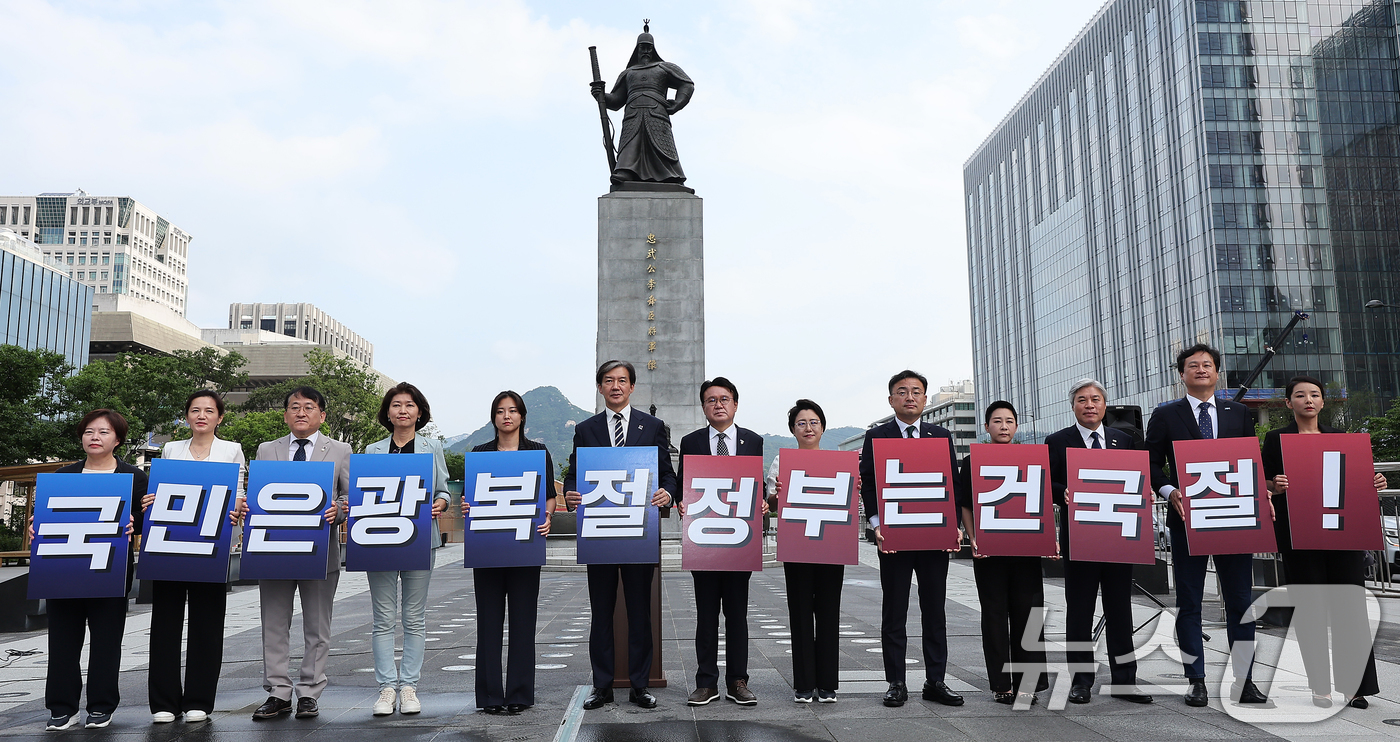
<point>716,591</point>
<point>1355,675</point>
<point>1083,580</point>
<point>897,571</point>
<point>602,599</point>
<point>814,611</point>
<point>69,620</point>
<point>493,587</point>
<point>1010,590</point>
<point>207,603</point>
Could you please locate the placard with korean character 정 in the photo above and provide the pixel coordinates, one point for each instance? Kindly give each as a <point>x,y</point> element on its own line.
<point>391,513</point>
<point>617,524</point>
<point>1226,508</point>
<point>507,492</point>
<point>723,526</point>
<point>914,482</point>
<point>1110,510</point>
<point>817,521</point>
<point>1332,498</point>
<point>285,533</point>
<point>187,533</point>
<point>1011,505</point>
<point>80,543</point>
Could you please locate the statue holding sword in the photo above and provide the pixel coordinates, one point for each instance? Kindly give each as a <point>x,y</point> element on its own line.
<point>646,152</point>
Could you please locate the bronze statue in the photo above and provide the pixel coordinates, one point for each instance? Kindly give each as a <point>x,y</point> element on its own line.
<point>646,152</point>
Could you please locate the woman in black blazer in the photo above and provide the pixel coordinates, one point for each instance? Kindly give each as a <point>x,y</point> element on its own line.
<point>1305,397</point>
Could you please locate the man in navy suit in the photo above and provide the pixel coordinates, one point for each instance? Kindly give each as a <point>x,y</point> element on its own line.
<point>620,425</point>
<point>720,400</point>
<point>1202,415</point>
<point>1083,579</point>
<point>897,569</point>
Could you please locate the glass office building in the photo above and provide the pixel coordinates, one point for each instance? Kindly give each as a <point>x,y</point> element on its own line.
<point>1193,171</point>
<point>40,306</point>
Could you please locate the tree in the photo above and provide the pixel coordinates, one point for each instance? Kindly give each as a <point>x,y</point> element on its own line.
<point>456,466</point>
<point>1385,437</point>
<point>34,411</point>
<point>352,394</point>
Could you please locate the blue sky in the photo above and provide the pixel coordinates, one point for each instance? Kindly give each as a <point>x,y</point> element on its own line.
<point>427,172</point>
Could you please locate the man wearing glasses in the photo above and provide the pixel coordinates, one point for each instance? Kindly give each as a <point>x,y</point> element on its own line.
<point>713,590</point>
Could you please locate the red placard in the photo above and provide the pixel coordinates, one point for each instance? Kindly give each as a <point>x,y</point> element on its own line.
<point>1222,492</point>
<point>817,521</point>
<point>1011,506</point>
<point>914,482</point>
<point>1110,512</point>
<point>723,526</point>
<point>1332,499</point>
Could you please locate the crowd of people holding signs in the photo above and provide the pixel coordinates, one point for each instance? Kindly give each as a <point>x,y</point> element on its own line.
<point>1312,498</point>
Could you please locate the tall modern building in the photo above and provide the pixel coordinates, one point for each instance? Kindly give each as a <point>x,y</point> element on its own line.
<point>303,321</point>
<point>1192,171</point>
<point>40,306</point>
<point>115,244</point>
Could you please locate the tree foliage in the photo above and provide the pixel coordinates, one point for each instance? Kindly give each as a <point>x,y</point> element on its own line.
<point>33,410</point>
<point>352,393</point>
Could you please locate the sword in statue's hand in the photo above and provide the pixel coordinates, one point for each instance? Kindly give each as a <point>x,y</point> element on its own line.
<point>598,87</point>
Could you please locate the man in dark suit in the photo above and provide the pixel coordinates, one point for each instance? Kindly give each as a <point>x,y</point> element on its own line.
<point>1202,415</point>
<point>908,391</point>
<point>620,425</point>
<point>720,400</point>
<point>1083,579</point>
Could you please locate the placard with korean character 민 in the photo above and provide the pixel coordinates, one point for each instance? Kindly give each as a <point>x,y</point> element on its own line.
<point>617,524</point>
<point>1222,493</point>
<point>1332,498</point>
<point>723,526</point>
<point>817,500</point>
<point>507,492</point>
<point>1011,506</point>
<point>391,513</point>
<point>914,484</point>
<point>285,533</point>
<point>1110,506</point>
<point>80,543</point>
<point>187,532</point>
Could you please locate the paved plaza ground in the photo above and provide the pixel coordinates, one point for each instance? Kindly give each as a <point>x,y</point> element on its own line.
<point>449,711</point>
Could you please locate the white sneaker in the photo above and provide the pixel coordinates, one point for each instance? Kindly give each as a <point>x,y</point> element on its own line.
<point>385,705</point>
<point>194,716</point>
<point>408,700</point>
<point>162,717</point>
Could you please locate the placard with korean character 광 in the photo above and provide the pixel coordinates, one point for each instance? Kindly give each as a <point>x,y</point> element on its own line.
<point>391,513</point>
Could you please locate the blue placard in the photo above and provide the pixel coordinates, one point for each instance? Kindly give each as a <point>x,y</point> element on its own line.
<point>186,533</point>
<point>506,491</point>
<point>80,543</point>
<point>617,524</point>
<point>286,536</point>
<point>391,512</point>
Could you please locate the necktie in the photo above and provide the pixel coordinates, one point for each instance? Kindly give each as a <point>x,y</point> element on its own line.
<point>909,432</point>
<point>301,449</point>
<point>618,439</point>
<point>721,448</point>
<point>1094,438</point>
<point>1207,430</point>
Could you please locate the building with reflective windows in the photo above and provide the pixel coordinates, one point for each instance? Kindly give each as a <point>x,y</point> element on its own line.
<point>1192,171</point>
<point>40,306</point>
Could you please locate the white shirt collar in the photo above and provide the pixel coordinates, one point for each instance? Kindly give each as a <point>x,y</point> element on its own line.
<point>626,413</point>
<point>315,439</point>
<point>904,428</point>
<point>1196,404</point>
<point>730,439</point>
<point>1088,442</point>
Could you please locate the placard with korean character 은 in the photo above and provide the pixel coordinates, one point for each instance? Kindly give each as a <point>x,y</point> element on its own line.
<point>391,513</point>
<point>1110,507</point>
<point>80,543</point>
<point>1011,506</point>
<point>723,526</point>
<point>285,533</point>
<point>617,524</point>
<point>1332,498</point>
<point>187,534</point>
<point>507,492</point>
<point>914,482</point>
<point>1223,496</point>
<point>817,520</point>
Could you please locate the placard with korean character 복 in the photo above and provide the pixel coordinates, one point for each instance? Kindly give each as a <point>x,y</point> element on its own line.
<point>1222,492</point>
<point>391,513</point>
<point>817,497</point>
<point>507,492</point>
<point>617,524</point>
<point>1011,505</point>
<point>187,532</point>
<point>80,543</point>
<point>914,482</point>
<point>723,527</point>
<point>1332,498</point>
<point>1110,511</point>
<point>285,533</point>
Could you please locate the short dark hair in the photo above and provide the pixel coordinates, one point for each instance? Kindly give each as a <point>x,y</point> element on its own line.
<point>114,418</point>
<point>218,400</point>
<point>721,382</point>
<point>805,404</point>
<point>609,366</point>
<point>519,403</point>
<point>1000,404</point>
<point>305,392</point>
<point>425,412</point>
<point>1193,350</point>
<point>907,374</point>
<point>1296,380</point>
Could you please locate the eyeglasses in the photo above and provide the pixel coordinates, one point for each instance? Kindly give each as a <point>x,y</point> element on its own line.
<point>805,425</point>
<point>903,393</point>
<point>309,409</point>
<point>725,400</point>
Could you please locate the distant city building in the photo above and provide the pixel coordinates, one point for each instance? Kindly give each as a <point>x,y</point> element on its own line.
<point>40,306</point>
<point>1192,171</point>
<point>303,321</point>
<point>953,406</point>
<point>115,244</point>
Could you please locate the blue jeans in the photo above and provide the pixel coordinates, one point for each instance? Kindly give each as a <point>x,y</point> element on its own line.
<point>1236,574</point>
<point>384,595</point>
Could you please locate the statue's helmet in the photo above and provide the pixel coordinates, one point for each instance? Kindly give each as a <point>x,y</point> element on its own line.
<point>644,38</point>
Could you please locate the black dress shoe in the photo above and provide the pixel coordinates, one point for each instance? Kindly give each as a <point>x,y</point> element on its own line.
<point>642,698</point>
<point>1197,696</point>
<point>516,708</point>
<point>1079,694</point>
<point>896,695</point>
<point>597,698</point>
<point>939,691</point>
<point>494,710</point>
<point>1359,702</point>
<point>272,708</point>
<point>1247,692</point>
<point>307,708</point>
<point>1133,697</point>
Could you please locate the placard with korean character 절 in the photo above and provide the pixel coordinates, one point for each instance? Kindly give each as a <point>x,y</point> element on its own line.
<point>285,533</point>
<point>80,543</point>
<point>1225,506</point>
<point>617,524</point>
<point>187,534</point>
<point>507,491</point>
